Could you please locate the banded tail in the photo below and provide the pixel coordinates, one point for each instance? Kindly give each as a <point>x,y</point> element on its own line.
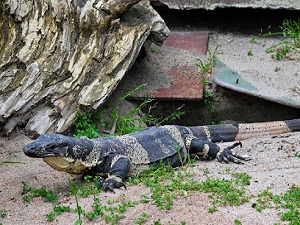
<point>242,131</point>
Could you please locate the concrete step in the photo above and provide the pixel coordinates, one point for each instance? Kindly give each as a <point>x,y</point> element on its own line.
<point>170,71</point>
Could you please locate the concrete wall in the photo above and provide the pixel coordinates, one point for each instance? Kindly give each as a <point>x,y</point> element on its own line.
<point>212,4</point>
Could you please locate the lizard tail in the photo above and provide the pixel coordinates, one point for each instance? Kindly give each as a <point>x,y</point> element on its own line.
<point>242,131</point>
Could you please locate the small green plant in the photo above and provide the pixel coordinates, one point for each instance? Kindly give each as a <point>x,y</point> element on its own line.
<point>205,70</point>
<point>3,213</point>
<point>206,67</point>
<point>207,95</point>
<point>225,191</point>
<point>30,193</point>
<point>57,211</point>
<point>250,53</point>
<point>142,218</point>
<point>264,200</point>
<point>289,202</point>
<point>86,188</point>
<point>85,125</point>
<point>112,213</point>
<point>131,123</point>
<point>277,69</point>
<point>290,30</point>
<point>242,178</point>
<point>11,162</point>
<point>78,207</point>
<point>237,222</point>
<point>280,51</point>
<point>206,171</point>
<point>297,154</point>
<point>157,222</point>
<point>253,38</point>
<point>213,208</point>
<point>166,185</point>
<point>154,50</point>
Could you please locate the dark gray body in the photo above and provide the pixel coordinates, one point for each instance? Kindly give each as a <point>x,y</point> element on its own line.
<point>171,144</point>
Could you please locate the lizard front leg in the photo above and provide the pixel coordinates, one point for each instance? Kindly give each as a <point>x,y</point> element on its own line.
<point>117,166</point>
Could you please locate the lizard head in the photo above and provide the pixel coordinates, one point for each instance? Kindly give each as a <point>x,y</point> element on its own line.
<point>64,153</point>
<point>47,145</point>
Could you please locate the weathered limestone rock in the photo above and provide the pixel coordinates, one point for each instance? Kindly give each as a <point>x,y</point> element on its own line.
<point>58,56</point>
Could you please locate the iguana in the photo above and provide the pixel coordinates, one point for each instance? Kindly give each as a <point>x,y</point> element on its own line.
<point>120,156</point>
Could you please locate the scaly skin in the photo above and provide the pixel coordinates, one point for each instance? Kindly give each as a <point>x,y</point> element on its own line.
<point>118,157</point>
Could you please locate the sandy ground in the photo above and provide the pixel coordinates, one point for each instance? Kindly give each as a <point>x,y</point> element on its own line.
<point>273,165</point>
<point>271,79</point>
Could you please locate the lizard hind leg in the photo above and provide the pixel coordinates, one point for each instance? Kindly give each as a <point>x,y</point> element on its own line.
<point>227,155</point>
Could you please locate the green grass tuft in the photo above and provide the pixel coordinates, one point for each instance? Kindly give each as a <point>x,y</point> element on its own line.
<point>290,31</point>
<point>30,193</point>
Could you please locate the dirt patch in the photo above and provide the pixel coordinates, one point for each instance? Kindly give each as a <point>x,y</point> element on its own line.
<point>273,165</point>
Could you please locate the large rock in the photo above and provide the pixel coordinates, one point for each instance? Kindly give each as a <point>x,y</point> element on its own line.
<point>60,56</point>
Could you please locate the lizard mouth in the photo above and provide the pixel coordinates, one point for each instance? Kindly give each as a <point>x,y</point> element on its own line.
<point>65,164</point>
<point>44,152</point>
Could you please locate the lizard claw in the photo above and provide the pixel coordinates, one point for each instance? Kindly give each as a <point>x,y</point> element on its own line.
<point>111,183</point>
<point>227,155</point>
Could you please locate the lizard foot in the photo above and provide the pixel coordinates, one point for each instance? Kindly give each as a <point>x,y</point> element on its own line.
<point>111,183</point>
<point>227,155</point>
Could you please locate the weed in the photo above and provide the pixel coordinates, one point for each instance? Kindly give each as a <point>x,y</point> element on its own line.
<point>142,218</point>
<point>85,126</point>
<point>78,207</point>
<point>86,189</point>
<point>277,69</point>
<point>206,171</point>
<point>237,222</point>
<point>242,178</point>
<point>11,162</point>
<point>263,200</point>
<point>3,213</point>
<point>290,30</point>
<point>253,39</point>
<point>57,211</point>
<point>166,185</point>
<point>206,67</point>
<point>225,191</point>
<point>153,50</point>
<point>30,193</point>
<point>212,208</point>
<point>280,51</point>
<point>297,154</point>
<point>250,53</point>
<point>207,95</point>
<point>289,201</point>
<point>129,123</point>
<point>111,214</point>
<point>179,155</point>
<point>157,222</point>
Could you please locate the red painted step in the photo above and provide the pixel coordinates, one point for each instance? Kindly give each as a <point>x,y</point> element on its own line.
<point>170,71</point>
